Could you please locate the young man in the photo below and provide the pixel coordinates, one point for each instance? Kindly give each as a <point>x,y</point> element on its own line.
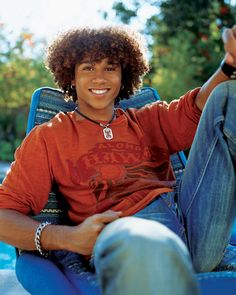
<point>114,170</point>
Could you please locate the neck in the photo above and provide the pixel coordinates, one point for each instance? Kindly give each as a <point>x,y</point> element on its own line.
<point>96,120</point>
<point>100,115</point>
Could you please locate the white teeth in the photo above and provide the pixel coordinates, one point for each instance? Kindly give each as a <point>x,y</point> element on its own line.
<point>98,91</point>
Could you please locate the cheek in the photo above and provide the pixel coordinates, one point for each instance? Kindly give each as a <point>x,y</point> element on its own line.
<point>80,90</point>
<point>80,84</point>
<point>117,81</point>
<point>118,86</point>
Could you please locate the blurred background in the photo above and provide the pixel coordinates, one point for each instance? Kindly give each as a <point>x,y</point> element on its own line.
<point>183,39</point>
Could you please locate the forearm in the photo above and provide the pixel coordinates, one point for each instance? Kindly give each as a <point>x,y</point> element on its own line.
<point>229,40</point>
<point>18,230</point>
<point>217,78</point>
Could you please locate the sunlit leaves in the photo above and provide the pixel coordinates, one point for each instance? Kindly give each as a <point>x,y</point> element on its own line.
<point>184,40</point>
<point>21,72</point>
<point>21,67</point>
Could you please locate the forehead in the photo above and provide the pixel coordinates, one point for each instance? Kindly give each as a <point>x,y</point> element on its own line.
<point>105,60</point>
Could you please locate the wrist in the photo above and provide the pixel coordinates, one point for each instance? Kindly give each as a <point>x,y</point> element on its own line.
<point>228,70</point>
<point>55,237</point>
<point>37,238</point>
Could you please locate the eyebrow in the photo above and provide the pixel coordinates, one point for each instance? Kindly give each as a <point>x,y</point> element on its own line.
<point>113,62</point>
<point>89,61</point>
<point>86,61</point>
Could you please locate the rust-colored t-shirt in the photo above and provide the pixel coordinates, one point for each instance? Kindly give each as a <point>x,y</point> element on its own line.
<point>95,174</point>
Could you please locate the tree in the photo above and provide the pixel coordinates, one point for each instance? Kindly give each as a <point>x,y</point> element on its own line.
<point>186,45</point>
<point>22,69</point>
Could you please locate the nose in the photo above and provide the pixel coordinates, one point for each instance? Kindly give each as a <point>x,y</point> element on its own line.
<point>99,79</point>
<point>99,76</point>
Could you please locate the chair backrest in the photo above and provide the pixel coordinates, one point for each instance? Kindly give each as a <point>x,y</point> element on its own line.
<point>46,103</point>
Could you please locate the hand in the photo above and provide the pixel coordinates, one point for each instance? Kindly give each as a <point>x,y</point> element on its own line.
<point>84,235</point>
<point>229,39</point>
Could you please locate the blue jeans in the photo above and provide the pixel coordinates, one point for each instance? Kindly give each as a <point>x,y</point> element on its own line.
<point>207,195</point>
<point>145,254</point>
<point>138,256</point>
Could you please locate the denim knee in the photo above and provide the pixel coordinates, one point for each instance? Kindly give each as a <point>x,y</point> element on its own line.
<point>223,99</point>
<point>220,111</point>
<point>131,247</point>
<point>135,234</point>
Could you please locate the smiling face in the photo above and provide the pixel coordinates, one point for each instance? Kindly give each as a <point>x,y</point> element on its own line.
<point>97,85</point>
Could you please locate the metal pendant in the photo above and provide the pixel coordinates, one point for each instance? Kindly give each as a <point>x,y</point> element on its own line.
<point>107,132</point>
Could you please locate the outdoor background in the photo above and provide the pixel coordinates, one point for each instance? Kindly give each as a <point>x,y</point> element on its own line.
<point>183,38</point>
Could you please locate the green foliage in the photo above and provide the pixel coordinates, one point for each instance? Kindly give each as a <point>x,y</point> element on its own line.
<point>12,130</point>
<point>178,69</point>
<point>185,62</point>
<point>123,12</point>
<point>126,11</point>
<point>6,151</point>
<point>186,46</point>
<point>195,16</point>
<point>22,71</point>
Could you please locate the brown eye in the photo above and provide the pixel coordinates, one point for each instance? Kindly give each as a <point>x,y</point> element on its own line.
<point>87,68</point>
<point>111,68</point>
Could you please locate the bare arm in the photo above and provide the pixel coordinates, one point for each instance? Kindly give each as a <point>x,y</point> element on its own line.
<point>19,230</point>
<point>229,39</point>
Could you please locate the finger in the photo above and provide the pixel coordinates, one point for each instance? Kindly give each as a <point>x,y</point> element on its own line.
<point>229,59</point>
<point>234,30</point>
<point>228,35</point>
<point>229,39</point>
<point>115,212</point>
<point>98,227</point>
<point>107,216</point>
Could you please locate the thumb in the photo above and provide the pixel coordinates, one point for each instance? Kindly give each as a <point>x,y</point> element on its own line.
<point>109,216</point>
<point>229,39</point>
<point>229,59</point>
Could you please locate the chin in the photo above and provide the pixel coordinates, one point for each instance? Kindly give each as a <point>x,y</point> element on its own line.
<point>100,106</point>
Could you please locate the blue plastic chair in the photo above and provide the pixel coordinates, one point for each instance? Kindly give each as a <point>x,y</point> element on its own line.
<point>46,103</point>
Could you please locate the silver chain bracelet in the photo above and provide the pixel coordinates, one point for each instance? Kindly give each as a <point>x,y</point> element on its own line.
<point>37,238</point>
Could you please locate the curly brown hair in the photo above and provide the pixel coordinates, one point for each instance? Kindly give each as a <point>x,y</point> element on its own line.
<point>117,43</point>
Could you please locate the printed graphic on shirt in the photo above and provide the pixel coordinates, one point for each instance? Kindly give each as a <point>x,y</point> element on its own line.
<point>116,169</point>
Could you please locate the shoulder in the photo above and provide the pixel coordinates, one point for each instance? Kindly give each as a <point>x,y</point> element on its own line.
<point>147,111</point>
<point>54,128</point>
<point>58,122</point>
